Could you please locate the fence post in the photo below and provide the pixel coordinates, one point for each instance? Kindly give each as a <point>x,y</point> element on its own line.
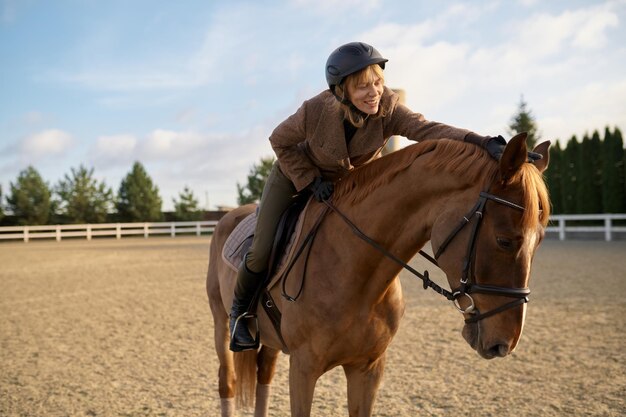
<point>173,230</point>
<point>198,229</point>
<point>607,229</point>
<point>145,230</point>
<point>26,234</point>
<point>561,229</point>
<point>88,232</point>
<point>118,231</point>
<point>58,232</point>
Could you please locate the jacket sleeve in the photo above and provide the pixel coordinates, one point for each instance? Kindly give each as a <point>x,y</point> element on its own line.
<point>289,142</point>
<point>414,126</point>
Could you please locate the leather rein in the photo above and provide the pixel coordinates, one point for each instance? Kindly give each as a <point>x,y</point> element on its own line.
<point>467,285</point>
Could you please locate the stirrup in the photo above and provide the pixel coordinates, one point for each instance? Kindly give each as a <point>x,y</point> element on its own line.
<point>236,347</point>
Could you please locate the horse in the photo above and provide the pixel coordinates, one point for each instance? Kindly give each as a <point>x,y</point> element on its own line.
<point>351,303</point>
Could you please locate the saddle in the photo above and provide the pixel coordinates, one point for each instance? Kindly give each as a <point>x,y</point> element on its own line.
<point>287,233</point>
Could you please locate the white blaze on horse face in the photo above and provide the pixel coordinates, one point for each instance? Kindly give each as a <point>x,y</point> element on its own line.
<point>531,245</point>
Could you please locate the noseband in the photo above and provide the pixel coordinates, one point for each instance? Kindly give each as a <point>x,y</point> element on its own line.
<point>467,285</point>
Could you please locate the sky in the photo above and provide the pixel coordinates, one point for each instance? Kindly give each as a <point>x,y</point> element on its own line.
<point>193,89</point>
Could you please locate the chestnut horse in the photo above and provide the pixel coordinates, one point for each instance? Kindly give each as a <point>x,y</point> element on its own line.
<point>352,303</point>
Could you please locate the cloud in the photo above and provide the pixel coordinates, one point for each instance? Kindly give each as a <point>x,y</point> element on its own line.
<point>47,143</point>
<point>114,150</point>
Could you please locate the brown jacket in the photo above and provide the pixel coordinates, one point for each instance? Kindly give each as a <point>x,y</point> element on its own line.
<point>311,142</point>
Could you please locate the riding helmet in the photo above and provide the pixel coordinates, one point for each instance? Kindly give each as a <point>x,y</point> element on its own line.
<point>348,59</point>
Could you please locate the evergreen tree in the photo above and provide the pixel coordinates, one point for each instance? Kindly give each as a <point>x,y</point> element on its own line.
<point>138,198</point>
<point>554,178</point>
<point>186,207</point>
<point>596,161</point>
<point>29,198</point>
<point>251,193</point>
<point>83,199</point>
<point>524,121</point>
<point>570,176</point>
<point>614,194</point>
<point>588,193</point>
<point>1,206</point>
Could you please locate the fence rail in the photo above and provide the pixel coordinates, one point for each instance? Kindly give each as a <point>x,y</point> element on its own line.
<point>117,230</point>
<point>559,224</point>
<point>598,224</point>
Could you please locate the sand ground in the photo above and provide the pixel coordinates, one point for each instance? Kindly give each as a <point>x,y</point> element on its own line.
<point>123,328</point>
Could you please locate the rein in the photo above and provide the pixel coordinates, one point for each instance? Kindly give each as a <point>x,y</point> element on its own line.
<point>466,287</point>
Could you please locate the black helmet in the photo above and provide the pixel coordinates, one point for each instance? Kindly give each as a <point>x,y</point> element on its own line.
<point>348,59</point>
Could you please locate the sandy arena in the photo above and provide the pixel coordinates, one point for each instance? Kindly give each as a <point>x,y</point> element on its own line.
<point>123,328</point>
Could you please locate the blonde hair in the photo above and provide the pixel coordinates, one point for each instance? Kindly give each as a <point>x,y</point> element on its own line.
<point>366,75</point>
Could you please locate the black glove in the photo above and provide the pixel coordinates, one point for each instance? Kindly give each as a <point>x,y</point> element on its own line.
<point>322,190</point>
<point>495,147</point>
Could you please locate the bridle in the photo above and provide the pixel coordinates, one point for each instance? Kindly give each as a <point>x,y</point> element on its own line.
<point>467,285</point>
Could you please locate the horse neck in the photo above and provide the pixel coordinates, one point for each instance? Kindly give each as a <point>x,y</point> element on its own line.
<point>399,216</point>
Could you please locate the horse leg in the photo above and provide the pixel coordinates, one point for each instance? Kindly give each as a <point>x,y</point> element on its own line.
<point>227,378</point>
<point>363,382</point>
<point>266,364</point>
<point>302,379</point>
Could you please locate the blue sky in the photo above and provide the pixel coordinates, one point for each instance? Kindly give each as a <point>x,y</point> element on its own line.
<point>193,89</point>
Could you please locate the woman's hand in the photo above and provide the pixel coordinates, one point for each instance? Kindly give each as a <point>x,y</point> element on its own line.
<point>322,190</point>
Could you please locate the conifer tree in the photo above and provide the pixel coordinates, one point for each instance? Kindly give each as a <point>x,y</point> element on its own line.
<point>82,198</point>
<point>251,192</point>
<point>138,198</point>
<point>589,189</point>
<point>30,198</point>
<point>1,205</point>
<point>570,176</point>
<point>554,178</point>
<point>614,194</point>
<point>524,121</point>
<point>186,207</point>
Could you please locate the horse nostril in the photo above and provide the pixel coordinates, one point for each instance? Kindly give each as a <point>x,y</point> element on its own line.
<point>499,349</point>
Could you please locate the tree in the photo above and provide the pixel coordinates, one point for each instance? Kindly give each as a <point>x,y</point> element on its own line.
<point>1,209</point>
<point>82,198</point>
<point>589,188</point>
<point>554,178</point>
<point>524,121</point>
<point>138,198</point>
<point>613,191</point>
<point>29,198</point>
<point>186,207</point>
<point>570,176</point>
<point>257,176</point>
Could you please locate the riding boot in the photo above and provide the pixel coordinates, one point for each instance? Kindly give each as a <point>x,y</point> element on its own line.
<point>247,284</point>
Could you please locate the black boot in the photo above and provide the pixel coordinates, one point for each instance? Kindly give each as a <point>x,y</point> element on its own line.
<point>247,284</point>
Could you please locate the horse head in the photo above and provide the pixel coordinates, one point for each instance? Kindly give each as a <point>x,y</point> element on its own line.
<point>487,257</point>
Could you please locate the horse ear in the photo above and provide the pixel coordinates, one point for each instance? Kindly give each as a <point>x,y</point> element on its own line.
<point>515,154</point>
<point>542,149</point>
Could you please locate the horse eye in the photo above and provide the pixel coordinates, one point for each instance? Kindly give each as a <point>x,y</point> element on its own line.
<point>504,243</point>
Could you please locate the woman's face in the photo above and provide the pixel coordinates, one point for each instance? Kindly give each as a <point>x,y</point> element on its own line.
<point>365,95</point>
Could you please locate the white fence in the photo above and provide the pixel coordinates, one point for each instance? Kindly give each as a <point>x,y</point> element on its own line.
<point>558,224</point>
<point>117,230</point>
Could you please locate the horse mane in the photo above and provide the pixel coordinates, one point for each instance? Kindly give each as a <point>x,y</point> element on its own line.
<point>470,162</point>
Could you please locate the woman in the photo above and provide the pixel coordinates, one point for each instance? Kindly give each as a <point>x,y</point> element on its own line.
<point>332,133</point>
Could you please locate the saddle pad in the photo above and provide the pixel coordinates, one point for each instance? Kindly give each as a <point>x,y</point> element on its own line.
<point>240,239</point>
